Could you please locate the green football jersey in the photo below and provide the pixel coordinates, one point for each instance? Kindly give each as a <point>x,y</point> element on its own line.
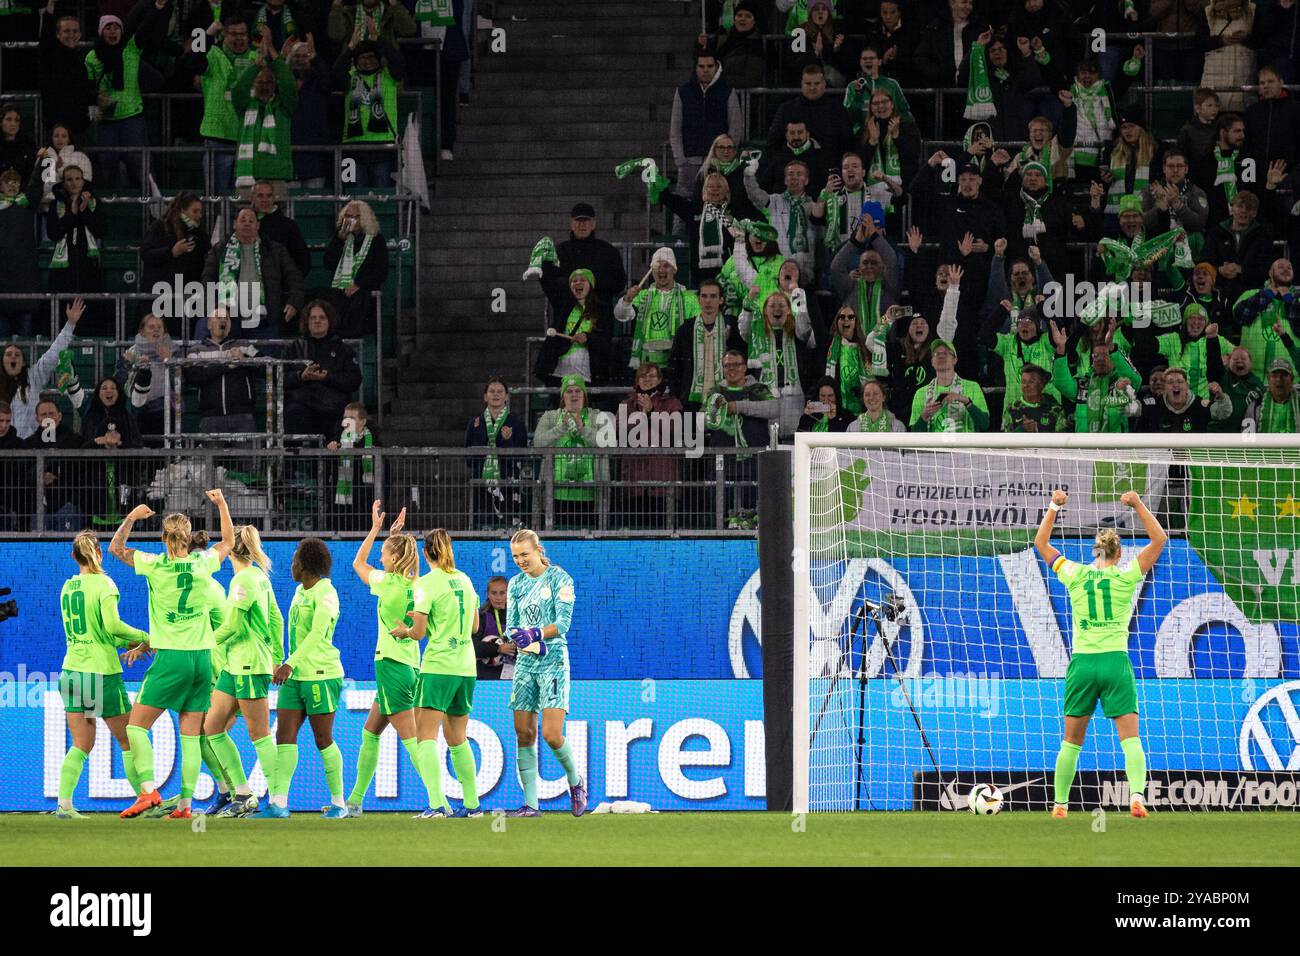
<point>451,605</point>
<point>313,615</point>
<point>92,647</point>
<point>398,597</point>
<point>217,617</point>
<point>1101,603</point>
<point>258,647</point>
<point>179,599</point>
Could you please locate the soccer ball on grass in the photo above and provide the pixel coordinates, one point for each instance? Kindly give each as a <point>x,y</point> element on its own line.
<point>984,799</point>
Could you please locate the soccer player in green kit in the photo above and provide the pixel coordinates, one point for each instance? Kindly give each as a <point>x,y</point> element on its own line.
<point>538,616</point>
<point>1101,606</point>
<point>447,674</point>
<point>311,680</point>
<point>180,633</point>
<point>90,680</point>
<point>397,650</point>
<point>252,639</point>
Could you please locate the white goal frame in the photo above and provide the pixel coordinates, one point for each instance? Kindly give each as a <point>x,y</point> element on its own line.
<point>805,442</point>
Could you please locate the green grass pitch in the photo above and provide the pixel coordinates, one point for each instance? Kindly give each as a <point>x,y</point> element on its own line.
<point>667,839</point>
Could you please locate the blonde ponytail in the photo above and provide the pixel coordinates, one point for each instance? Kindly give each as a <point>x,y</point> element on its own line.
<point>176,533</point>
<point>406,555</point>
<point>248,547</point>
<point>437,549</point>
<point>1107,545</point>
<point>85,551</point>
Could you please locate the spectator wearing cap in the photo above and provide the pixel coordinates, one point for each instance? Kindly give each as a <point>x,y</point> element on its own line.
<point>965,223</point>
<point>1181,412</point>
<point>1203,290</point>
<point>1196,347</point>
<point>823,115</point>
<point>704,108</point>
<point>1275,410</point>
<point>740,48</point>
<point>1241,248</point>
<point>948,403</point>
<point>656,311</point>
<point>792,213</point>
<point>114,66</point>
<point>575,425</point>
<point>1025,344</point>
<point>567,349</point>
<point>797,145</point>
<point>585,250</point>
<point>1116,268</point>
<point>497,505</point>
<point>1034,410</point>
<point>1036,216</point>
<point>823,413</point>
<point>368,72</point>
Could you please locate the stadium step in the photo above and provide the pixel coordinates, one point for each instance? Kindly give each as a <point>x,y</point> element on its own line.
<point>638,83</point>
<point>645,24</point>
<point>548,115</point>
<point>587,129</point>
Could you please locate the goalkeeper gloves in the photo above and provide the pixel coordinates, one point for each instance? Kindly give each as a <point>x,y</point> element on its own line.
<point>526,637</point>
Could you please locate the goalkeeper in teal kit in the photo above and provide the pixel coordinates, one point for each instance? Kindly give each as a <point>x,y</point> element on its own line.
<point>540,609</point>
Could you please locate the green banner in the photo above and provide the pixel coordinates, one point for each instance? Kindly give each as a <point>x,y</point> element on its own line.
<point>1245,525</point>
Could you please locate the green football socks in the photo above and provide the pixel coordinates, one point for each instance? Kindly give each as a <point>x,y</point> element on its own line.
<point>462,762</point>
<point>286,762</point>
<point>1066,761</point>
<point>430,766</point>
<point>73,761</point>
<point>142,753</point>
<point>332,758</point>
<point>367,761</point>
<point>1135,766</point>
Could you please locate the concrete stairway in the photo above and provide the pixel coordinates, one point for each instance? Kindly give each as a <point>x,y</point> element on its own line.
<point>582,86</point>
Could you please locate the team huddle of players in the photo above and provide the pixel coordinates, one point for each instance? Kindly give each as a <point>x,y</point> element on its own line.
<point>215,656</point>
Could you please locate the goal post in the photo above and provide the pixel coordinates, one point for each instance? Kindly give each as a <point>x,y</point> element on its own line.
<point>931,641</point>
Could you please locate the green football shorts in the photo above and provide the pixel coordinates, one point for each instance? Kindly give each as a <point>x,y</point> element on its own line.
<point>179,681</point>
<point>397,685</point>
<point>244,686</point>
<point>95,695</point>
<point>1106,677</point>
<point>311,696</point>
<point>454,696</point>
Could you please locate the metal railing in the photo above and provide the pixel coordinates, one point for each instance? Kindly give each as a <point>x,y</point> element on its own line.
<point>655,492</point>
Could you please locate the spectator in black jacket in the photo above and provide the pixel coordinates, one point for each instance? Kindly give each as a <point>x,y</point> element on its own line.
<point>245,258</point>
<point>225,389</point>
<point>311,116</point>
<point>943,49</point>
<point>75,224</point>
<point>330,377</point>
<point>823,114</point>
<point>357,259</point>
<point>1179,410</point>
<point>64,481</point>
<point>109,426</point>
<point>897,40</point>
<point>496,506</point>
<point>1240,247</point>
<point>273,224</point>
<point>1272,123</point>
<point>19,203</point>
<point>741,48</point>
<point>1275,34</point>
<point>695,342</point>
<point>16,485</point>
<point>956,216</point>
<point>799,145</point>
<point>67,92</point>
<point>174,249</point>
<point>585,250</point>
<point>1036,215</point>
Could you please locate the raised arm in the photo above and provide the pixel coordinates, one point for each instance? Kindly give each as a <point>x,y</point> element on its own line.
<point>361,563</point>
<point>1149,555</point>
<point>227,542</point>
<point>1042,540</point>
<point>117,547</point>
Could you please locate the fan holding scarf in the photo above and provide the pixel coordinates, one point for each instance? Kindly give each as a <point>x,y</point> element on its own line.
<point>264,96</point>
<point>357,256</point>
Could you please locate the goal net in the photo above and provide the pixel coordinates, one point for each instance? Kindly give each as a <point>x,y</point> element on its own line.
<point>931,641</point>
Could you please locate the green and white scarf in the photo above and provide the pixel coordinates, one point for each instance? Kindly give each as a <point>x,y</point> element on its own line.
<point>882,422</point>
<point>718,335</point>
<point>256,135</point>
<point>343,487</point>
<point>714,223</point>
<point>576,468</point>
<point>437,12</point>
<point>659,314</point>
<point>1048,155</point>
<point>543,252</point>
<point>979,94</point>
<point>717,418</point>
<point>1279,418</point>
<point>1034,226</point>
<point>19,200</point>
<point>1105,405</point>
<point>844,364</point>
<point>492,464</point>
<point>350,262</point>
<point>1120,257</point>
<point>1119,186</point>
<point>866,301</point>
<point>228,276</point>
<point>367,96</point>
<point>1095,124</point>
<point>796,227</point>
<point>884,160</point>
<point>654,181</point>
<point>1225,173</point>
<point>771,361</point>
<point>842,211</point>
<point>60,259</point>
<point>287,25</point>
<point>359,17</point>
